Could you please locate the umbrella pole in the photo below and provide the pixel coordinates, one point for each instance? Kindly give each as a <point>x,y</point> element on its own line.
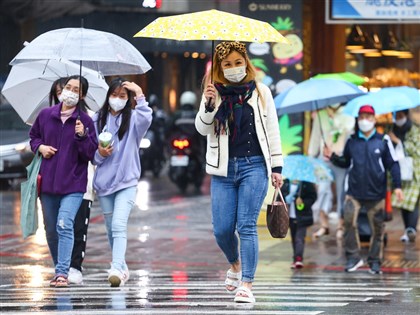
<point>211,76</point>
<point>320,124</point>
<point>80,69</point>
<point>211,56</point>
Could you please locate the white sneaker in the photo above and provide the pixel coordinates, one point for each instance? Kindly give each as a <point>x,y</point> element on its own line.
<point>404,238</point>
<point>75,276</point>
<point>118,278</point>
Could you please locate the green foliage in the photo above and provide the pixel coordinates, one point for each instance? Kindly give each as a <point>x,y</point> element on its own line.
<point>259,63</point>
<point>283,25</point>
<point>291,136</point>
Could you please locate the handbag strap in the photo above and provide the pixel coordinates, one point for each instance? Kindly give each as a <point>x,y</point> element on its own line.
<point>277,191</point>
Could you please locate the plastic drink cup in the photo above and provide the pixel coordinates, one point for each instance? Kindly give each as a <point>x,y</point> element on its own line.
<point>105,138</point>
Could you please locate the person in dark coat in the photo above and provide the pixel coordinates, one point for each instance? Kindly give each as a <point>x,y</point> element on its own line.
<point>299,196</point>
<point>369,155</point>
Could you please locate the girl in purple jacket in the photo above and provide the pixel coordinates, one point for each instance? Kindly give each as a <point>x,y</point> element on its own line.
<point>65,136</point>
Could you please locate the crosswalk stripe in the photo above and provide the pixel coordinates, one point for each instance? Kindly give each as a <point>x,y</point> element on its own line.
<point>261,298</point>
<point>212,291</point>
<point>168,311</point>
<point>185,303</point>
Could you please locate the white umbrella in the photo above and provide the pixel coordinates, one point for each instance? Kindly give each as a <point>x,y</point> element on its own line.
<point>28,85</point>
<point>101,51</point>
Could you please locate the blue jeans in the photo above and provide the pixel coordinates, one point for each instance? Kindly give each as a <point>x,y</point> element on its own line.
<point>236,204</point>
<point>59,212</point>
<point>116,208</point>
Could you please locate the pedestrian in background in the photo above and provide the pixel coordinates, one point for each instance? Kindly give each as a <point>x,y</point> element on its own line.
<point>369,155</point>
<point>55,91</point>
<point>118,165</point>
<point>81,221</point>
<point>240,121</point>
<point>299,196</point>
<point>65,136</point>
<point>330,128</point>
<point>406,134</point>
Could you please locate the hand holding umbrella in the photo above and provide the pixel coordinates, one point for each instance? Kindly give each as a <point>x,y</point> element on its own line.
<point>80,128</point>
<point>327,152</point>
<point>210,94</point>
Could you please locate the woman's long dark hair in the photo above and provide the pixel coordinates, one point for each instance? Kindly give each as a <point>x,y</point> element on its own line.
<point>125,113</point>
<point>53,97</point>
<point>84,88</point>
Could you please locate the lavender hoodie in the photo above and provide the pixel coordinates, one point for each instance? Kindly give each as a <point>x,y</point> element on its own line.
<point>66,171</point>
<point>122,168</point>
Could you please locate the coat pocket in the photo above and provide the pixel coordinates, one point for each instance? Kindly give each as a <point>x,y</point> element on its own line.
<point>213,154</point>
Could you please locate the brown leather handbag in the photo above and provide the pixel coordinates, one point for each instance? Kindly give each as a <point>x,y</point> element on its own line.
<point>277,216</point>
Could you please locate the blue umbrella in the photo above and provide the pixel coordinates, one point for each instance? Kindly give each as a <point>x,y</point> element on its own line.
<point>306,168</point>
<point>386,100</point>
<point>314,94</point>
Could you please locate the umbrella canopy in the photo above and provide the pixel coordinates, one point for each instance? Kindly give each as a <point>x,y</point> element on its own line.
<point>345,76</point>
<point>212,25</point>
<point>386,100</point>
<point>306,168</point>
<point>314,94</point>
<point>28,85</point>
<point>101,51</point>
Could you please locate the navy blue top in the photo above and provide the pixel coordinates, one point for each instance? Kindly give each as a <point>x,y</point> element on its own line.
<point>246,141</point>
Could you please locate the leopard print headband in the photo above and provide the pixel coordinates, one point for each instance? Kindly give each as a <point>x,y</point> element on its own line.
<point>225,48</point>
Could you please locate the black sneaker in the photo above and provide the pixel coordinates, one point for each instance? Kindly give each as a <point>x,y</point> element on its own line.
<point>353,264</point>
<point>375,268</point>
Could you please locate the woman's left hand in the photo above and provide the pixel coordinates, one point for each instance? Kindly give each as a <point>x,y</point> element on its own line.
<point>276,180</point>
<point>133,87</point>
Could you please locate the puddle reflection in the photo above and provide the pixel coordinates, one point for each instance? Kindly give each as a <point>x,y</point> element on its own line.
<point>118,300</point>
<point>142,197</point>
<point>179,293</point>
<point>63,302</point>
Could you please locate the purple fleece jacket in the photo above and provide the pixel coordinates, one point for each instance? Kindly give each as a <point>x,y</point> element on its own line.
<point>66,171</point>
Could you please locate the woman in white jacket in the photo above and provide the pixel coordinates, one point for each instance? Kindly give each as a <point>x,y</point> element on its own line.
<point>239,118</point>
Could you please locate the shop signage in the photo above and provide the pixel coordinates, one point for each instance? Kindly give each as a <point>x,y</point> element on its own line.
<point>280,66</point>
<point>372,11</point>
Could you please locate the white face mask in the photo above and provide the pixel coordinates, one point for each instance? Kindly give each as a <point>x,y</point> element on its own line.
<point>60,97</point>
<point>235,74</point>
<point>365,125</point>
<point>401,122</point>
<point>116,103</point>
<point>69,98</point>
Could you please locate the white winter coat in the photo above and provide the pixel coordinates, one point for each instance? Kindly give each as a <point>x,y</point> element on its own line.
<point>266,125</point>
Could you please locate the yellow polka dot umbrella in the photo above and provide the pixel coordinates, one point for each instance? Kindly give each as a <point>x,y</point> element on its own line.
<point>211,25</point>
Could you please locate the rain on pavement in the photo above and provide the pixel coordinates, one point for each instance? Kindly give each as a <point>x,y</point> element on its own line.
<point>177,268</point>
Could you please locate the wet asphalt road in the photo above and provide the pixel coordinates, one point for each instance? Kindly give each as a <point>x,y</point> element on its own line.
<point>177,268</point>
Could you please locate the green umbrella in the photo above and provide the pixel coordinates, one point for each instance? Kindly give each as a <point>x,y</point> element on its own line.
<point>345,76</point>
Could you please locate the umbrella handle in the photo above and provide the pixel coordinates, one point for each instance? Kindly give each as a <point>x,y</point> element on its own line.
<point>209,107</point>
